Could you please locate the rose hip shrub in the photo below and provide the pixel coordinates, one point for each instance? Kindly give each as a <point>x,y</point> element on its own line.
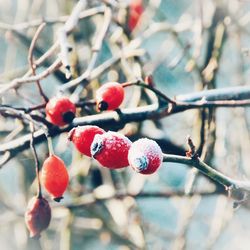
<point>81,115</point>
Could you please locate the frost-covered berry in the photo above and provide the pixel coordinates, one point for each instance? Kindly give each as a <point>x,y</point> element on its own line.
<point>111,149</point>
<point>37,216</point>
<point>145,156</point>
<point>83,136</point>
<point>109,96</point>
<point>60,110</point>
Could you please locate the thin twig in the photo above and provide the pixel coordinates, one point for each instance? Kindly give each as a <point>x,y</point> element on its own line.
<point>62,35</point>
<point>30,59</point>
<point>5,158</point>
<point>32,146</point>
<point>156,91</point>
<point>90,198</point>
<point>227,182</point>
<point>49,21</point>
<point>85,77</point>
<point>25,110</point>
<point>18,81</point>
<point>96,50</point>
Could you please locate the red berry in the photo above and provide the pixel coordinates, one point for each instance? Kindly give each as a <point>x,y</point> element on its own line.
<point>60,111</point>
<point>37,216</point>
<point>145,156</point>
<point>83,136</point>
<point>111,150</point>
<point>54,176</point>
<point>109,96</point>
<point>135,11</point>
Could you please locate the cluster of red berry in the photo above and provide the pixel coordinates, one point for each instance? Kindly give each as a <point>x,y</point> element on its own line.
<point>111,149</point>
<point>61,111</point>
<point>114,150</point>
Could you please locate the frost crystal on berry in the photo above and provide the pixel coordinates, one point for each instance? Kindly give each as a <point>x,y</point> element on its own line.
<point>111,149</point>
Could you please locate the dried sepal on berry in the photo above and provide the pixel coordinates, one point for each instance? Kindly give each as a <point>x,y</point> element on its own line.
<point>109,96</point>
<point>60,111</point>
<point>145,156</point>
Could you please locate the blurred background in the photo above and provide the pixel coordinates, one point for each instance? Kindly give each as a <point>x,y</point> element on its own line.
<point>187,46</point>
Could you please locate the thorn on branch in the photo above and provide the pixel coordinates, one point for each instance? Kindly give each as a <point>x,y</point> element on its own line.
<point>192,153</point>
<point>149,81</point>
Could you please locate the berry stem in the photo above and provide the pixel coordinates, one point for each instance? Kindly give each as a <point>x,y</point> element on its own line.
<point>32,146</point>
<point>50,145</point>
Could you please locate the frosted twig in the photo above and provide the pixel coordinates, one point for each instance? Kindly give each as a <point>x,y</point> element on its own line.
<point>62,35</point>
<point>49,21</point>
<point>97,46</point>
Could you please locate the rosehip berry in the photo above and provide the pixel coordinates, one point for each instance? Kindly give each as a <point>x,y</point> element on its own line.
<point>83,136</point>
<point>60,111</point>
<point>145,156</point>
<point>109,96</point>
<point>111,149</point>
<point>37,216</point>
<point>54,176</point>
<point>135,11</point>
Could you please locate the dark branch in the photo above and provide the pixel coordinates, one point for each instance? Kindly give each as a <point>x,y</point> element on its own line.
<point>113,120</point>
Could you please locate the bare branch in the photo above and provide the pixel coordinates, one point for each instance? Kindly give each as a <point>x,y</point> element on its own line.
<point>227,182</point>
<point>138,114</point>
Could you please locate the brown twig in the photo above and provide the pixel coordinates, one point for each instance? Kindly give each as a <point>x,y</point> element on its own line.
<point>32,146</point>
<point>49,21</point>
<point>25,110</point>
<point>156,91</point>
<point>30,59</point>
<point>18,81</point>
